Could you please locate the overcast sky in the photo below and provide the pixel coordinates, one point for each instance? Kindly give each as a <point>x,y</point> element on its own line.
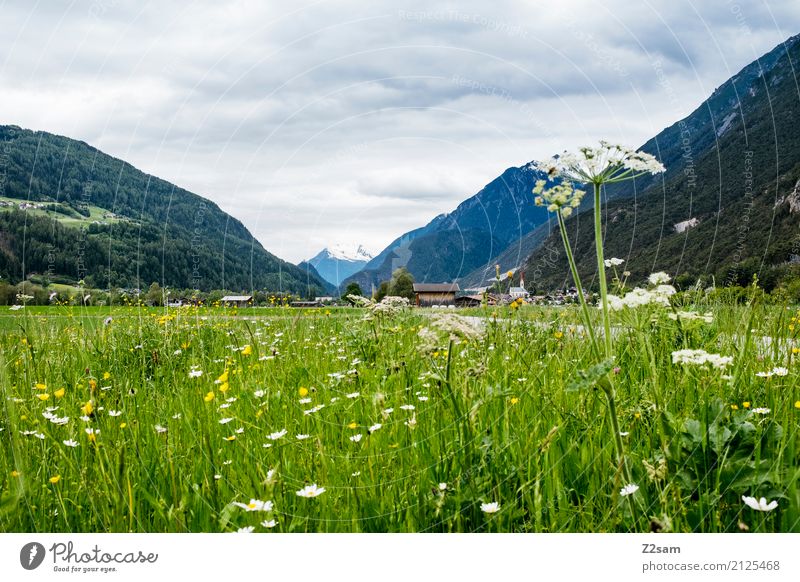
<point>354,121</point>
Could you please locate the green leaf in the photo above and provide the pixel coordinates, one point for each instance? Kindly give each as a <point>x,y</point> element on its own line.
<point>588,378</point>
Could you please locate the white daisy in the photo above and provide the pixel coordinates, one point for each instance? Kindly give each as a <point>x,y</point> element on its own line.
<point>492,507</point>
<point>311,491</point>
<point>759,504</point>
<point>629,489</point>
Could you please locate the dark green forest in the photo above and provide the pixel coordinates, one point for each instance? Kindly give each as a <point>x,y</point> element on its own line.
<point>167,235</point>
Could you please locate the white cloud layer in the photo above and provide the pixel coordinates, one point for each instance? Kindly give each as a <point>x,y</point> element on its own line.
<point>351,121</point>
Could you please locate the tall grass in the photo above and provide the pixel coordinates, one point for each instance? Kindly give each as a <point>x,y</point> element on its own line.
<point>494,420</point>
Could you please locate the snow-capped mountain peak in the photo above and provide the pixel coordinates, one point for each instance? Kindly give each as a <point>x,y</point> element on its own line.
<point>342,252</point>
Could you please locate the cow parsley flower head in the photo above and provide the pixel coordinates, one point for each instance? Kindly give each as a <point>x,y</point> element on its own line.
<point>701,358</point>
<point>659,278</point>
<point>604,164</point>
<point>562,198</point>
<point>629,489</point>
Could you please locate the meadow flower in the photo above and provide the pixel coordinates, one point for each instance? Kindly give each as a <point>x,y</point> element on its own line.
<point>225,420</point>
<point>91,433</point>
<point>114,412</point>
<point>374,427</point>
<point>700,358</point>
<point>208,397</point>
<point>70,443</point>
<point>659,278</point>
<point>356,437</point>
<point>248,529</point>
<point>255,505</point>
<point>613,262</point>
<point>259,393</point>
<point>442,486</point>
<point>707,317</point>
<point>411,422</point>
<point>269,524</point>
<point>562,198</point>
<point>606,163</point>
<point>422,398</point>
<point>55,479</point>
<point>353,395</point>
<point>311,491</point>
<point>195,373</point>
<point>305,401</point>
<point>629,489</point>
<point>761,411</point>
<point>276,435</point>
<point>160,429</point>
<point>759,504</point>
<point>407,407</point>
<point>490,508</point>
<point>302,437</point>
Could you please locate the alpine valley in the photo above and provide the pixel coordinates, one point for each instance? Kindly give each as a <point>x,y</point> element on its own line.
<point>728,207</point>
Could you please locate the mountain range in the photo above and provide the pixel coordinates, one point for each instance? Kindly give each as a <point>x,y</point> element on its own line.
<point>727,205</point>
<point>69,211</point>
<point>334,264</point>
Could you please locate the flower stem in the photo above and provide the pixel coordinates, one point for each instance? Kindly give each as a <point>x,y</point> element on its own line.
<point>601,269</point>
<point>587,321</point>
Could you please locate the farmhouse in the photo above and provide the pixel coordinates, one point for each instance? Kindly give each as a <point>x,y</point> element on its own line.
<point>236,300</point>
<point>429,294</point>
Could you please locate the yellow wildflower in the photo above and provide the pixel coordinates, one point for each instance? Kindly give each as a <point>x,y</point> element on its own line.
<point>352,425</point>
<point>302,391</point>
<point>746,404</point>
<point>123,425</point>
<point>514,400</point>
<point>559,334</point>
<point>55,479</point>
<point>87,408</point>
<point>224,387</point>
<point>223,378</point>
<point>15,473</point>
<point>106,375</point>
<point>248,349</point>
<point>59,393</point>
<point>40,386</point>
<point>734,407</point>
<point>797,404</point>
<point>209,397</point>
<point>44,396</point>
<point>231,438</point>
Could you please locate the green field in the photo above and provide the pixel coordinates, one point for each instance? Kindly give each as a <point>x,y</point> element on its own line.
<point>95,213</point>
<point>187,412</point>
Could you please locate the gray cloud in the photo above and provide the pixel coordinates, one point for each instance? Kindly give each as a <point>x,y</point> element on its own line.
<point>343,121</point>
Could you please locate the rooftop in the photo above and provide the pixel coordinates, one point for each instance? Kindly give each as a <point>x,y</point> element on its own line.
<point>436,287</point>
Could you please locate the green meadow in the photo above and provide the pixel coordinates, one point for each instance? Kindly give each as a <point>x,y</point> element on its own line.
<point>396,420</point>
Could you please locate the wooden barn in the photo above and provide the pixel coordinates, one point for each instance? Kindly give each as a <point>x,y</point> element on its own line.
<point>236,300</point>
<point>430,294</point>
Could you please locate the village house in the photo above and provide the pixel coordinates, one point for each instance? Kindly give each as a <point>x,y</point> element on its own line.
<point>430,294</point>
<point>236,300</point>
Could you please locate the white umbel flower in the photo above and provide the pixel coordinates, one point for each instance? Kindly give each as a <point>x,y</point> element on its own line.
<point>629,489</point>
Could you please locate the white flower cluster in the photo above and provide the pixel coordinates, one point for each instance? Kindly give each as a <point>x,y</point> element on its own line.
<point>606,163</point>
<point>638,297</point>
<point>560,198</point>
<point>389,306</point>
<point>613,262</point>
<point>707,317</point>
<point>458,327</point>
<point>700,358</point>
<point>777,371</point>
